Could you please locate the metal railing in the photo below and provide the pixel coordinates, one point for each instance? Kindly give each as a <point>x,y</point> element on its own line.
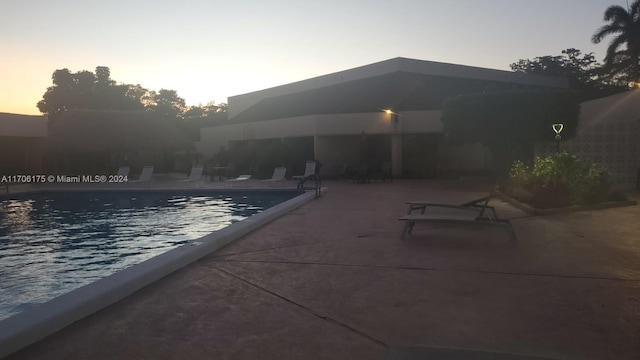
<point>318,185</point>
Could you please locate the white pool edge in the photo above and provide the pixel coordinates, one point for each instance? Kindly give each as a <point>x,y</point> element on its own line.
<point>31,325</point>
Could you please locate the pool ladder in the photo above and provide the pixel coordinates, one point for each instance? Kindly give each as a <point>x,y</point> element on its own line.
<point>318,185</point>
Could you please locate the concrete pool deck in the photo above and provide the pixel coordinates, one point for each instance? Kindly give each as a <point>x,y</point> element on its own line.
<point>333,280</point>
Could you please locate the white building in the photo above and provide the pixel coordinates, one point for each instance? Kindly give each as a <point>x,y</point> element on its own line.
<point>339,118</point>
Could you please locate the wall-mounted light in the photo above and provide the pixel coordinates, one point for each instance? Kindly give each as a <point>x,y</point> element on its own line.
<point>394,116</point>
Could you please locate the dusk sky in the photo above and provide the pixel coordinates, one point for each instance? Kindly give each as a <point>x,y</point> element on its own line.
<point>209,50</point>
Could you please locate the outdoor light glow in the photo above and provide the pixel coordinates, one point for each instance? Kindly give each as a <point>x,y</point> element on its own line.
<point>388,111</point>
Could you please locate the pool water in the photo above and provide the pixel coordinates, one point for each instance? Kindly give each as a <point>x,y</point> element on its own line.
<point>52,243</point>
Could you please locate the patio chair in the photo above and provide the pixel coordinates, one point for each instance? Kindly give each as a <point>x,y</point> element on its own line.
<point>473,212</point>
<point>241,178</point>
<point>196,174</point>
<point>348,172</point>
<point>363,175</point>
<point>279,174</point>
<point>309,170</point>
<point>124,171</point>
<point>146,174</point>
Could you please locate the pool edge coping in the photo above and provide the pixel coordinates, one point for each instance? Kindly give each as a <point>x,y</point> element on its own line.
<point>32,325</point>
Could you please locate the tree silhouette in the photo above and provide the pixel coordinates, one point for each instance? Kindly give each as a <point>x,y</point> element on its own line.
<point>624,25</point>
<point>197,117</point>
<point>97,91</point>
<point>509,122</point>
<point>584,73</point>
<point>60,96</point>
<point>195,112</point>
<point>167,103</point>
<point>103,76</point>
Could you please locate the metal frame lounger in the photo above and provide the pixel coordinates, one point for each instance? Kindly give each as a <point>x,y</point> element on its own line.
<point>478,204</point>
<point>473,212</point>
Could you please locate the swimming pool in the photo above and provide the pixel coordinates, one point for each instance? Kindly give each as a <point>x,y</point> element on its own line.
<point>54,242</point>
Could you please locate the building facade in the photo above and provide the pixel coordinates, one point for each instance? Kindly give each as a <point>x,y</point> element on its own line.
<point>21,143</point>
<point>386,112</point>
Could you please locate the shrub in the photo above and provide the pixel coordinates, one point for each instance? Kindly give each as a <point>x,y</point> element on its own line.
<point>519,175</point>
<point>559,180</point>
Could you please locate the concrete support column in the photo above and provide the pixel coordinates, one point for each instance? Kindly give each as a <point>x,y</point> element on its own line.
<point>315,148</point>
<point>396,155</point>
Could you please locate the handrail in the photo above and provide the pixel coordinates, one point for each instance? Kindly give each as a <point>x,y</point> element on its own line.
<point>318,185</point>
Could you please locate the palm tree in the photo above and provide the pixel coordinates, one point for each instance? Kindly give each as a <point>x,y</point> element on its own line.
<point>625,25</point>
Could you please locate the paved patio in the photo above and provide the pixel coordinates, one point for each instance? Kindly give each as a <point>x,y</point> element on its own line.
<point>333,280</point>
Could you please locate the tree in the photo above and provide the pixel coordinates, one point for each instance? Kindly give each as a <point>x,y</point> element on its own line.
<point>84,89</point>
<point>97,91</point>
<point>584,74</point>
<point>103,76</point>
<point>137,95</point>
<point>624,25</point>
<point>194,112</point>
<point>167,103</point>
<point>509,122</point>
<point>92,91</point>
<point>197,117</point>
<point>58,97</point>
<point>211,109</point>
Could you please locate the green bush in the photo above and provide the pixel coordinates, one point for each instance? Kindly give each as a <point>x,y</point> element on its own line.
<point>559,180</point>
<point>519,175</point>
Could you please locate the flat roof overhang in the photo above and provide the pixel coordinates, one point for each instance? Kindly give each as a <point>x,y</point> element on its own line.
<point>17,125</point>
<point>397,84</point>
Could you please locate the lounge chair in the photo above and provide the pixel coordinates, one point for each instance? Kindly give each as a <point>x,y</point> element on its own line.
<point>241,178</point>
<point>196,174</point>
<point>146,174</point>
<point>474,212</point>
<point>309,170</point>
<point>278,174</point>
<point>478,204</point>
<point>124,171</point>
